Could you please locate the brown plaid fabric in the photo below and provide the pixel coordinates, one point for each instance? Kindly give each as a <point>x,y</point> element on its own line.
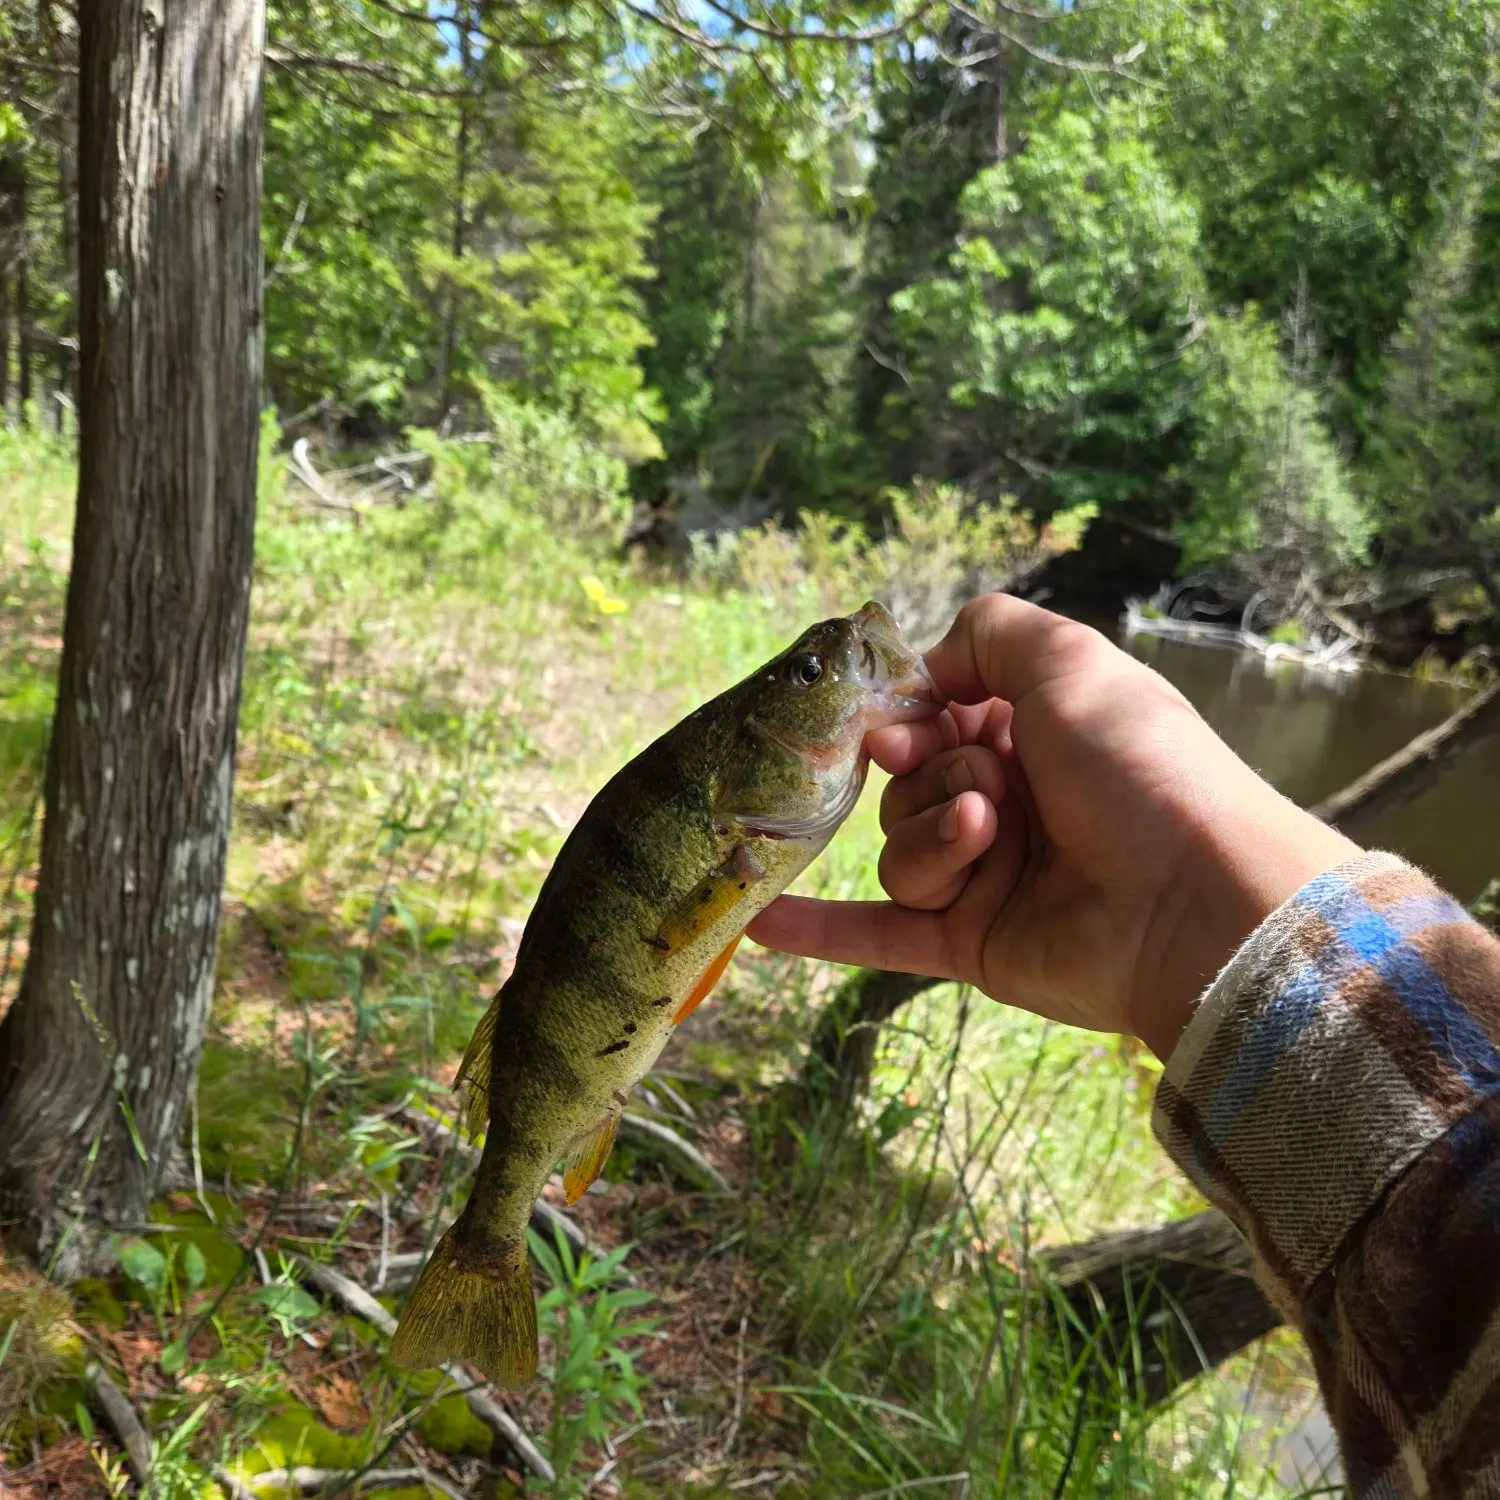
<point>1338,1096</point>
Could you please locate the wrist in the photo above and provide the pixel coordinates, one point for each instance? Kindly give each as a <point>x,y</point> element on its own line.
<point>1249,851</point>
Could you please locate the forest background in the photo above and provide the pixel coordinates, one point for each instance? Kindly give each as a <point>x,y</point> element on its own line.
<point>807,303</point>
<point>1226,273</point>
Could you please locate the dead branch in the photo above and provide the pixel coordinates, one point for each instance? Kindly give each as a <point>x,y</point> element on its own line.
<point>62,70</point>
<point>1416,766</point>
<point>115,1406</point>
<point>301,465</point>
<point>284,57</point>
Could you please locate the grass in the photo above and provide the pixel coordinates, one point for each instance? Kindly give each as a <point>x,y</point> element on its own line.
<point>431,697</point>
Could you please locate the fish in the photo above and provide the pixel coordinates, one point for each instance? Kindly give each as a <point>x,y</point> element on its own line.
<point>634,925</point>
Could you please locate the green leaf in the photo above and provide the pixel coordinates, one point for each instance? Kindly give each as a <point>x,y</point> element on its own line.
<point>143,1263</point>
<point>194,1267</point>
<point>286,1302</point>
<point>174,1356</point>
<point>83,1421</point>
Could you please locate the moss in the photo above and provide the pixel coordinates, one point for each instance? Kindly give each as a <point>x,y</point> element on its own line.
<point>315,953</point>
<point>452,1428</point>
<point>58,1398</point>
<point>448,1424</point>
<point>294,1436</point>
<point>30,1431</point>
<point>248,1103</point>
<point>96,1302</point>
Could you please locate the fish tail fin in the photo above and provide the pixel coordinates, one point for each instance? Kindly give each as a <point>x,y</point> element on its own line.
<point>472,1302</point>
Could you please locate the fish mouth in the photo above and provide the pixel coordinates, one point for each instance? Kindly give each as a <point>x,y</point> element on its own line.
<point>901,687</point>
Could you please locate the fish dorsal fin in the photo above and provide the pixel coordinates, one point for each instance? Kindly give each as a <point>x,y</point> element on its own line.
<point>587,1154</point>
<point>474,1071</point>
<point>706,981</point>
<point>711,898</point>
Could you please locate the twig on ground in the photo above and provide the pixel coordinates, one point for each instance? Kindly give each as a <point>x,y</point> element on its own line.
<point>683,1151</point>
<point>316,1481</point>
<point>353,1298</point>
<point>301,465</point>
<point>739,1396</point>
<point>126,1425</point>
<point>385,1242</point>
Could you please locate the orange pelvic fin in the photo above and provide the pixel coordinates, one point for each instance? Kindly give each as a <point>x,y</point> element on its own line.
<point>718,893</point>
<point>587,1155</point>
<point>709,978</point>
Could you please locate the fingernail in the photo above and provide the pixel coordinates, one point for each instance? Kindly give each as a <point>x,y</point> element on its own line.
<point>948,823</point>
<point>959,778</point>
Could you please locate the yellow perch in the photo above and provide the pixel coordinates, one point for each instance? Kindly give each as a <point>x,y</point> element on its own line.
<point>634,926</point>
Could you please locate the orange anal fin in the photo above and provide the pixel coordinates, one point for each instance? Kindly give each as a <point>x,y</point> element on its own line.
<point>710,977</point>
<point>587,1155</point>
<point>717,894</point>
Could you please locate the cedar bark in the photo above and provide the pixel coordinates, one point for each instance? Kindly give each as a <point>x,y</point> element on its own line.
<point>109,1022</point>
<point>10,171</point>
<point>21,229</point>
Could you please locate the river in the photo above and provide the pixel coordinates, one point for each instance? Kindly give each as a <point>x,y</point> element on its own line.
<point>1311,733</point>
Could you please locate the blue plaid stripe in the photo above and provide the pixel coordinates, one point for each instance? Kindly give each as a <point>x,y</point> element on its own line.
<point>1362,937</point>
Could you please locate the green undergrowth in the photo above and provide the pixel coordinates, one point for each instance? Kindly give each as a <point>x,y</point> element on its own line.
<point>431,696</point>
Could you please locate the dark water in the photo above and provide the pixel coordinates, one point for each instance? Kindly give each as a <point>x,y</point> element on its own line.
<point>1311,733</point>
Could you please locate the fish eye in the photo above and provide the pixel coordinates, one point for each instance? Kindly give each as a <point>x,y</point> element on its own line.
<point>803,671</point>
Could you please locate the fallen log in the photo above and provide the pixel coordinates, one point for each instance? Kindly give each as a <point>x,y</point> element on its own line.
<point>841,1056</point>
<point>1414,767</point>
<point>1162,1304</point>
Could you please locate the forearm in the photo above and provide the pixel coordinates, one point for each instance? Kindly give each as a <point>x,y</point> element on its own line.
<point>1338,1095</point>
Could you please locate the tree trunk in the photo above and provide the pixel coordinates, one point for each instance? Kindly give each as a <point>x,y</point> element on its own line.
<point>67,344</point>
<point>449,397</point>
<point>21,229</point>
<point>4,340</point>
<point>10,171</point>
<point>1162,1304</point>
<point>1414,767</point>
<point>999,95</point>
<point>99,1053</point>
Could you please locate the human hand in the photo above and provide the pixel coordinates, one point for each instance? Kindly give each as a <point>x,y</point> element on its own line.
<point>1070,836</point>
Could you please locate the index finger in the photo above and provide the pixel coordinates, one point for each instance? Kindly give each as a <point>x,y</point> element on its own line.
<point>1002,647</point>
<point>866,934</point>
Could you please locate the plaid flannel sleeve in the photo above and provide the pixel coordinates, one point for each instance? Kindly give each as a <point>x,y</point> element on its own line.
<point>1337,1094</point>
